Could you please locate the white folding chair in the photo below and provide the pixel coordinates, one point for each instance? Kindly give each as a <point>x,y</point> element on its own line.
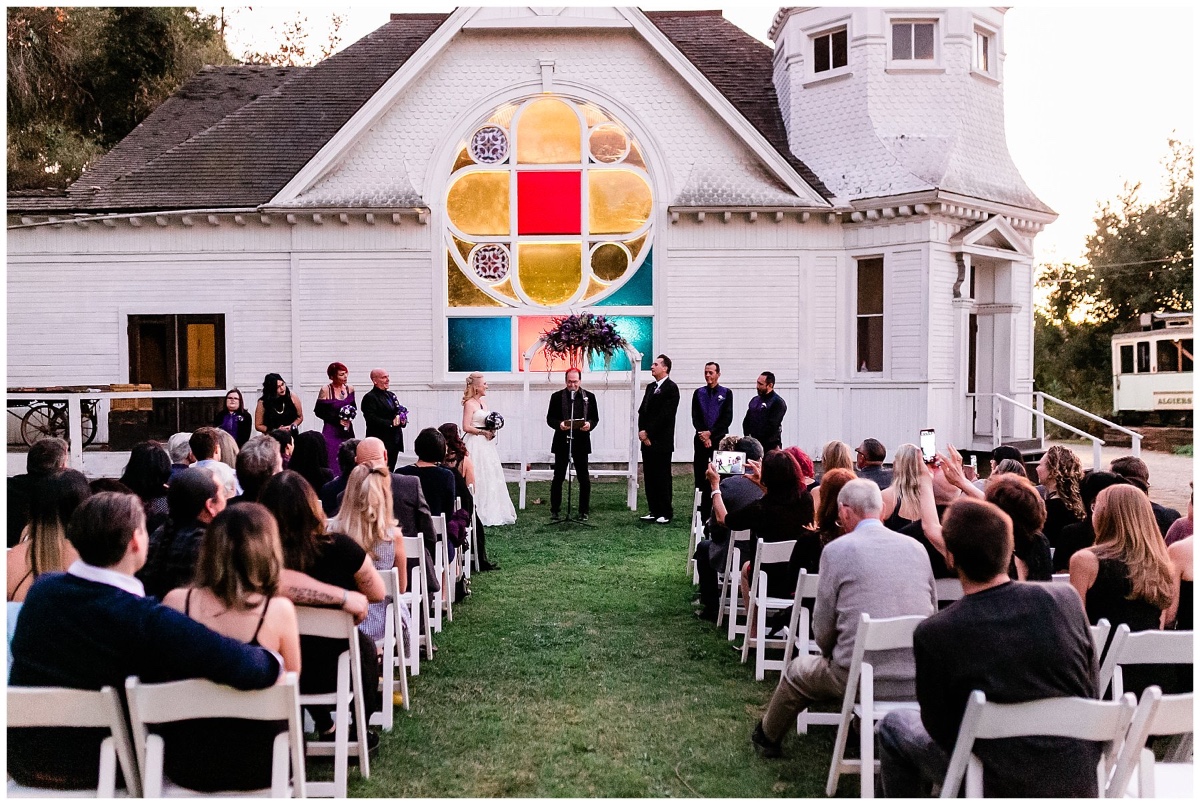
<point>334,624</point>
<point>892,633</point>
<point>730,601</point>
<point>799,641</point>
<point>1100,635</point>
<point>393,652</point>
<point>444,601</point>
<point>473,535</point>
<point>418,604</point>
<point>59,707</point>
<point>1079,718</point>
<point>465,552</point>
<point>152,704</point>
<point>1061,577</point>
<point>695,533</point>
<point>1156,715</point>
<point>948,590</point>
<point>761,604</point>
<point>1142,647</point>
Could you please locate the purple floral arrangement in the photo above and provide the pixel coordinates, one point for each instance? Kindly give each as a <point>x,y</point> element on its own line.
<point>347,413</point>
<point>578,337</point>
<point>493,421</point>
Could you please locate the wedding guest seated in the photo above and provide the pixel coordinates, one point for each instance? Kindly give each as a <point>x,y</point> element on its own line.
<point>287,443</point>
<point>1180,554</point>
<point>944,493</point>
<point>834,455</point>
<point>1000,454</point>
<point>206,449</point>
<point>1015,495</point>
<point>44,547</point>
<point>93,626</point>
<point>870,570</point>
<point>257,462</point>
<point>193,500</point>
<point>229,449</point>
<point>366,517</point>
<point>1060,474</point>
<point>1079,535</point>
<point>902,497</point>
<point>180,449</point>
<point>736,492</point>
<point>331,558</point>
<point>436,480</point>
<point>870,456</point>
<point>147,473</point>
<point>310,459</point>
<point>1181,528</point>
<point>458,460</point>
<point>331,493</point>
<point>236,593</point>
<point>45,458</point>
<point>1016,642</point>
<point>1137,473</point>
<point>826,516</point>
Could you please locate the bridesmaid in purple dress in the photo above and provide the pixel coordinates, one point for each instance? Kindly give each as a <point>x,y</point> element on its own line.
<point>335,407</point>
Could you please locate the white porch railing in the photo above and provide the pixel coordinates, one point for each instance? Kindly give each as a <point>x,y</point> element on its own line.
<point>1041,417</point>
<point>75,408</point>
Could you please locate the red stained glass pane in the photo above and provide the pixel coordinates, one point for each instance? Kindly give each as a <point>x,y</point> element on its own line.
<point>548,202</point>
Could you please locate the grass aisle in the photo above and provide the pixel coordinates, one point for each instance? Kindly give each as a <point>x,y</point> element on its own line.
<point>578,669</point>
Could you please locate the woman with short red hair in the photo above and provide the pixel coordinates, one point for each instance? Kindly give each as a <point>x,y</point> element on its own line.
<point>335,407</point>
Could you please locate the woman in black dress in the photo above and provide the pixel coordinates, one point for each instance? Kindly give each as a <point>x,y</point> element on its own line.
<point>146,475</point>
<point>310,459</point>
<point>278,408</point>
<point>1060,472</point>
<point>458,461</point>
<point>1017,497</point>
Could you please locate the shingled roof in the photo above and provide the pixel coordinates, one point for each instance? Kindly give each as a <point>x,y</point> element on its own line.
<point>232,137</point>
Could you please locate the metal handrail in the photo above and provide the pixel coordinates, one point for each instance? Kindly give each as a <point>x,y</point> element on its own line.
<point>1097,442</point>
<point>1042,396</point>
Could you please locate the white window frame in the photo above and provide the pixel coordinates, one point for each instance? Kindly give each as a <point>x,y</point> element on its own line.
<point>911,65</point>
<point>884,371</point>
<point>992,71</point>
<point>829,32</point>
<point>825,28</point>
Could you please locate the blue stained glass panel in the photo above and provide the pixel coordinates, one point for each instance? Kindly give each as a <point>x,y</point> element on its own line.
<point>639,331</point>
<point>638,291</point>
<point>480,344</point>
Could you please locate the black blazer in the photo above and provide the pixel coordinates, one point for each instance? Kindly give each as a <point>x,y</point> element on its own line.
<point>379,409</point>
<point>657,415</point>
<point>554,417</point>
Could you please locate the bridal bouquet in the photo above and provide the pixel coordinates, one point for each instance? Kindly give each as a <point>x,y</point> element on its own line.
<point>493,421</point>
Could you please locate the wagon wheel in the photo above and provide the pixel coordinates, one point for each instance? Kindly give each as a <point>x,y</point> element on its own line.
<point>89,424</point>
<point>42,421</point>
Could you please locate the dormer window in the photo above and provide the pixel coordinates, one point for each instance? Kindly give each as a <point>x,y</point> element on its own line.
<point>983,51</point>
<point>829,51</point>
<point>913,41</point>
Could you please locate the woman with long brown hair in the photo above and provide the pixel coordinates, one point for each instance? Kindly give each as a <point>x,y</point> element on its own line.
<point>827,509</point>
<point>458,460</point>
<point>1060,472</point>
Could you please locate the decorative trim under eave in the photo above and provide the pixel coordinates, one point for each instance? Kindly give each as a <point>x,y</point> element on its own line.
<point>222,217</point>
<point>726,215</point>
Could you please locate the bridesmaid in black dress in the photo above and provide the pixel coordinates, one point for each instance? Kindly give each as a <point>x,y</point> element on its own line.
<point>278,408</point>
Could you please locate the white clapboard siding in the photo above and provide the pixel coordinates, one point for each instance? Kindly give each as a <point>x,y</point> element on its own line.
<point>944,349</point>
<point>906,318</point>
<point>825,312</point>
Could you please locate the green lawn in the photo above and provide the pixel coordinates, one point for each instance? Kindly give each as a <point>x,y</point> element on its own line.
<point>579,669</point>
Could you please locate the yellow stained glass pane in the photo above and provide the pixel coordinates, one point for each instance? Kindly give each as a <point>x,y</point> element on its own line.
<point>618,201</point>
<point>609,262</point>
<point>635,157</point>
<point>607,143</point>
<point>548,133</point>
<point>478,203</point>
<point>504,115</point>
<point>592,115</point>
<point>464,248</point>
<point>461,291</point>
<point>464,159</point>
<point>505,288</point>
<point>549,273</point>
<point>201,356</point>
<point>594,289</point>
<point>635,246</point>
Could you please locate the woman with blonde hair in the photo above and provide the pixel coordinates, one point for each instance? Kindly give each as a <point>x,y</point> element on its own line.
<point>492,503</point>
<point>366,517</point>
<point>1060,472</point>
<point>902,500</point>
<point>834,455</point>
<point>235,592</point>
<point>1126,577</point>
<point>44,547</point>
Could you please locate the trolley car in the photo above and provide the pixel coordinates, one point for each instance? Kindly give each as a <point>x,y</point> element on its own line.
<point>1152,370</point>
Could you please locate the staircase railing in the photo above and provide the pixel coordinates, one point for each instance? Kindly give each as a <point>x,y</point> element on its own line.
<point>1042,417</point>
<point>1042,397</point>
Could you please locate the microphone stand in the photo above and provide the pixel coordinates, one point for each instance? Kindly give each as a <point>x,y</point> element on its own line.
<point>570,519</point>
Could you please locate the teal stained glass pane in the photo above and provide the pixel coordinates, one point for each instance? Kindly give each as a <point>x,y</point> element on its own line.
<point>638,291</point>
<point>639,331</point>
<point>480,344</point>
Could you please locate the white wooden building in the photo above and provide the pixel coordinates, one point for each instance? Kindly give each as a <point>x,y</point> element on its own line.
<point>841,210</point>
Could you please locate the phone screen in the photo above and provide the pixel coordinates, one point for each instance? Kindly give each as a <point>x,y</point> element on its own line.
<point>729,463</point>
<point>928,449</point>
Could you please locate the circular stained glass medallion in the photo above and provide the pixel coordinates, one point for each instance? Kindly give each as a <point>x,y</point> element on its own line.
<point>490,262</point>
<point>608,143</point>
<point>489,145</point>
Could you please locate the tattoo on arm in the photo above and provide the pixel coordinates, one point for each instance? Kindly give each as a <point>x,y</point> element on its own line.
<point>310,597</point>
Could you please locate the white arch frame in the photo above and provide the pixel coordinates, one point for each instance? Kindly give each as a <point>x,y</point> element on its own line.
<point>630,473</point>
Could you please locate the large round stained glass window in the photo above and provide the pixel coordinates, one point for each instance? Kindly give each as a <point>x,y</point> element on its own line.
<point>549,205</point>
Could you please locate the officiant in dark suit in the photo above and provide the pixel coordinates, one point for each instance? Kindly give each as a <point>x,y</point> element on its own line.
<point>656,431</point>
<point>386,417</point>
<point>572,403</point>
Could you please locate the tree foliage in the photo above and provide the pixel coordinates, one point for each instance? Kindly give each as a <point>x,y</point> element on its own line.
<point>80,79</point>
<point>294,50</point>
<point>1139,260</point>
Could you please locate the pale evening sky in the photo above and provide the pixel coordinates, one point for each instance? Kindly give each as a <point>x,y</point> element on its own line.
<point>1092,94</point>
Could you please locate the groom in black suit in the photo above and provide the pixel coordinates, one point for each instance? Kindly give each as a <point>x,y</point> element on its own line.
<point>572,402</point>
<point>656,431</point>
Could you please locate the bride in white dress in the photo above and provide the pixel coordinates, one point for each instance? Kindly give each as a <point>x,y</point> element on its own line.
<point>492,502</point>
